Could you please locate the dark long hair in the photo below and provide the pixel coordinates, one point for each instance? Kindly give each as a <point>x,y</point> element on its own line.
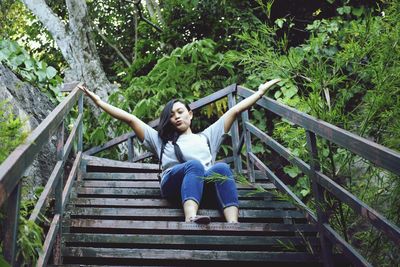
<point>167,131</point>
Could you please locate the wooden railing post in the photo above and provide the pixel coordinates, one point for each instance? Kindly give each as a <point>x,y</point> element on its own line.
<point>131,154</point>
<point>58,195</point>
<point>11,222</point>
<point>235,137</point>
<point>80,126</point>
<point>247,141</point>
<point>318,193</point>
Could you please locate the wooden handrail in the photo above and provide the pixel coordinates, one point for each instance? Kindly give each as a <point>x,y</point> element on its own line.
<point>12,169</point>
<point>21,158</point>
<point>377,154</point>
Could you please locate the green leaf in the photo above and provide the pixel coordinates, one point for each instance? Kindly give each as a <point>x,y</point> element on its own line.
<point>344,10</point>
<point>277,94</point>
<point>292,171</point>
<point>41,65</point>
<point>41,75</point>
<point>357,11</point>
<point>304,192</point>
<point>289,92</point>
<point>18,60</point>
<point>51,72</point>
<point>3,262</point>
<point>3,54</point>
<point>29,64</point>
<point>280,22</point>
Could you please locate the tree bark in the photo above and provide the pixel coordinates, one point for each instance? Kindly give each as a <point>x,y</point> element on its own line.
<point>76,43</point>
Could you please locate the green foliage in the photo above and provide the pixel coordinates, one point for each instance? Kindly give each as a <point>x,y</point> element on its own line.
<point>189,73</point>
<point>3,262</point>
<point>17,23</point>
<point>346,73</point>
<point>30,234</point>
<point>11,131</point>
<point>38,73</point>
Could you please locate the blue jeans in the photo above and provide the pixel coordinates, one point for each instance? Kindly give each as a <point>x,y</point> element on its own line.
<point>187,179</point>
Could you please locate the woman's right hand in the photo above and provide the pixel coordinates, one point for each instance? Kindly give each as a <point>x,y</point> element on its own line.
<point>90,94</point>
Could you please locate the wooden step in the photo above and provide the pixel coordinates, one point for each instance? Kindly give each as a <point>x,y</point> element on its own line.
<point>177,214</point>
<point>186,256</point>
<point>120,176</point>
<point>217,242</point>
<point>171,227</point>
<point>163,203</point>
<point>152,192</point>
<point>150,184</point>
<point>122,219</point>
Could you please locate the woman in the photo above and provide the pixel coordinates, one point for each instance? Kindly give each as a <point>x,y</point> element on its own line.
<point>187,158</point>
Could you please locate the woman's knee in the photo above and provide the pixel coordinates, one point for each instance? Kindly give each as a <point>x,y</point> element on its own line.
<point>194,165</point>
<point>222,168</point>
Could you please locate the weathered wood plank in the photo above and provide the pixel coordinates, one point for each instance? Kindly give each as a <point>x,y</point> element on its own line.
<point>281,185</point>
<point>130,149</point>
<point>265,241</point>
<point>235,137</point>
<point>120,176</point>
<point>178,213</point>
<point>13,167</point>
<point>116,141</point>
<point>70,179</point>
<point>115,164</point>
<point>260,177</point>
<point>356,258</point>
<point>142,156</point>
<point>156,203</point>
<point>68,87</point>
<point>198,255</point>
<point>380,222</point>
<point>360,207</point>
<point>49,241</point>
<point>320,199</point>
<point>71,137</point>
<point>10,224</point>
<point>150,192</point>
<point>213,97</point>
<point>247,140</point>
<point>151,184</point>
<point>167,227</point>
<point>48,189</point>
<point>377,154</point>
<point>277,147</point>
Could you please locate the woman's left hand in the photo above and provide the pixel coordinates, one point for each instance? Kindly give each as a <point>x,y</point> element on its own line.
<point>265,86</point>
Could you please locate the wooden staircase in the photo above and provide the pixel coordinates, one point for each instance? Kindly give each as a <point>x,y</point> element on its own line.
<point>107,212</point>
<point>116,218</point>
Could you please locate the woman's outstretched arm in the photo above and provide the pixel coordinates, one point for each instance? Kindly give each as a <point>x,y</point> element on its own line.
<point>134,122</point>
<point>234,111</point>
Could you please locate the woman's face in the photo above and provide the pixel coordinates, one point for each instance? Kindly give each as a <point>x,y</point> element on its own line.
<point>181,117</point>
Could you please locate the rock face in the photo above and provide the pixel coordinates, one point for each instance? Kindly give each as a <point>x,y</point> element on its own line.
<point>32,106</point>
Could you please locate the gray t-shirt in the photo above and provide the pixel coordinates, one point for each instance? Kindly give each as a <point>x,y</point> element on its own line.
<point>193,146</point>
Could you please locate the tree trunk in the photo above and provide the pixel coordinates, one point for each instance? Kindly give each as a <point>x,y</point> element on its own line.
<point>76,43</point>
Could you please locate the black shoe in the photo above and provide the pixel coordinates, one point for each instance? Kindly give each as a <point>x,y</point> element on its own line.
<point>200,219</point>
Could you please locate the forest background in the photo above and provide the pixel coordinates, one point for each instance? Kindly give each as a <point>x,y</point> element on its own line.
<point>339,61</point>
